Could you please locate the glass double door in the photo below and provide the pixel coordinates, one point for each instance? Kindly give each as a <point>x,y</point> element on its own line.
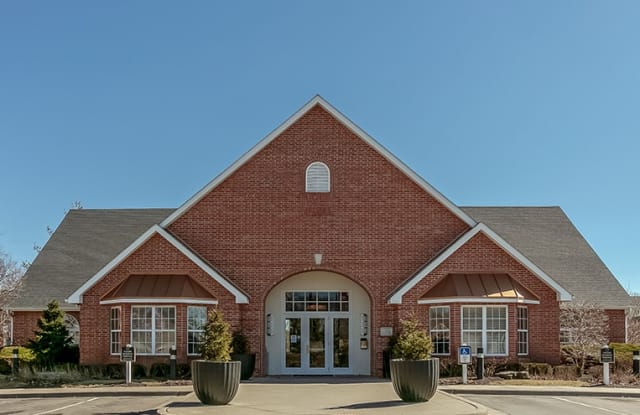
<point>316,343</point>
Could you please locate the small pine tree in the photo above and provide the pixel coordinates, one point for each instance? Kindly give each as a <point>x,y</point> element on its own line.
<point>52,337</point>
<point>217,338</point>
<point>413,343</point>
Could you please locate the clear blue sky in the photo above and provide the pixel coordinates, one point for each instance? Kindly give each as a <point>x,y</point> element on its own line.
<point>140,104</point>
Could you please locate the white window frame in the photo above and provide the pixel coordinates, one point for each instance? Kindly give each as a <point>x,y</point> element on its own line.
<point>484,329</point>
<point>523,331</point>
<point>115,344</point>
<point>316,186</point>
<point>73,327</point>
<point>435,329</point>
<point>189,330</point>
<point>153,330</point>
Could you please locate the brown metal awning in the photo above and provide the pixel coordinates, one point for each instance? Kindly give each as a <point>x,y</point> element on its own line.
<point>479,288</point>
<point>159,289</point>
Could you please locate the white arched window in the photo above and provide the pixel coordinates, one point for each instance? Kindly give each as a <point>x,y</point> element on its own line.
<point>318,178</point>
<point>73,327</point>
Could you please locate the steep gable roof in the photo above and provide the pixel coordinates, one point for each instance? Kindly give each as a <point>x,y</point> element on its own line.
<point>85,241</point>
<point>396,296</point>
<point>317,100</point>
<point>548,238</point>
<point>76,296</point>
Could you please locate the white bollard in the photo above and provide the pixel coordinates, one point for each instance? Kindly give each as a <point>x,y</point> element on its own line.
<point>464,374</point>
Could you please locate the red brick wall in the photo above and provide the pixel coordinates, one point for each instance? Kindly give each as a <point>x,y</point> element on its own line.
<point>156,256</point>
<point>376,226</point>
<point>479,255</point>
<point>617,327</point>
<point>25,323</point>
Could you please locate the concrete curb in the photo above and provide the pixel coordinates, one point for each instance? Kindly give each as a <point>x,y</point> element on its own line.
<point>618,393</point>
<point>480,409</point>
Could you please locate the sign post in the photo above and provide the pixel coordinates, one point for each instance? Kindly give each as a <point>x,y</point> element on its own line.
<point>464,358</point>
<point>607,355</point>
<point>128,356</point>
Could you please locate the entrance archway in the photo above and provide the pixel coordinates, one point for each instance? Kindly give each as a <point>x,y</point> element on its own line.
<point>318,324</point>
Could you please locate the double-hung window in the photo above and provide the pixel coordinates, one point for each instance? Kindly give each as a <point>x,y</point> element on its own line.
<point>439,329</point>
<point>485,327</point>
<point>523,331</point>
<point>115,329</point>
<point>196,319</point>
<point>153,329</point>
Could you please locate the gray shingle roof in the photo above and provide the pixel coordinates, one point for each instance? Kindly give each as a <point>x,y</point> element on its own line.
<point>547,237</point>
<point>85,241</point>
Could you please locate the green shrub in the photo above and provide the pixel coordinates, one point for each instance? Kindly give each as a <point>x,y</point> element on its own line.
<point>159,370</point>
<point>5,367</point>
<point>450,368</point>
<point>240,343</point>
<point>138,371</point>
<point>217,338</point>
<point>24,354</point>
<point>183,371</point>
<point>413,343</point>
<point>623,356</point>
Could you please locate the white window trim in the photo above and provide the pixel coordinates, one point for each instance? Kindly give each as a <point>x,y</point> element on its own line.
<point>115,331</point>
<point>153,327</point>
<point>518,331</point>
<point>448,330</point>
<point>484,328</point>
<point>306,178</point>
<point>195,331</point>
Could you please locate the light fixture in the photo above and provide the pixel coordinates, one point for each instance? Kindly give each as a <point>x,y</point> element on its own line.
<point>317,258</point>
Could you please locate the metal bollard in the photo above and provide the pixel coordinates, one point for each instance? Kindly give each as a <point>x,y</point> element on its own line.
<point>15,368</point>
<point>480,363</point>
<point>636,362</point>
<point>172,362</point>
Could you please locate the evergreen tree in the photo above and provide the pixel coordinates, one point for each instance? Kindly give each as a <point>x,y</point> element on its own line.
<point>217,338</point>
<point>52,337</point>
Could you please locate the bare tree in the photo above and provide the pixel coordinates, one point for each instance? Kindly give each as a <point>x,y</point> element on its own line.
<point>633,320</point>
<point>10,283</point>
<point>587,326</point>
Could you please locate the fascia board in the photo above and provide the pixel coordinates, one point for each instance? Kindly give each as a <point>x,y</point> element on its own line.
<point>159,301</point>
<point>318,100</point>
<point>562,294</point>
<point>241,298</point>
<point>467,300</point>
<point>76,297</point>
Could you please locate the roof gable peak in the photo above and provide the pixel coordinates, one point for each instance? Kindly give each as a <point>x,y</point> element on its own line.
<point>319,101</point>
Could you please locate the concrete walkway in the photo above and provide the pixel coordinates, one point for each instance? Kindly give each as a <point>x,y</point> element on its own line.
<point>293,396</point>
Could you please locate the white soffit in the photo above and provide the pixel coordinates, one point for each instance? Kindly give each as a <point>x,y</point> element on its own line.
<point>76,297</point>
<point>562,294</point>
<point>318,100</point>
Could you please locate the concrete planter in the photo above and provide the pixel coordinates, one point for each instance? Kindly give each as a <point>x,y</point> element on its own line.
<point>215,383</point>
<point>248,361</point>
<point>415,380</point>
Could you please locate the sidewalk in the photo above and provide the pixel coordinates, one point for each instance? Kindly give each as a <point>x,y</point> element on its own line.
<point>322,396</point>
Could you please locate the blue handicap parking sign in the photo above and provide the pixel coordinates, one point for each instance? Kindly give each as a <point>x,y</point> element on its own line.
<point>464,355</point>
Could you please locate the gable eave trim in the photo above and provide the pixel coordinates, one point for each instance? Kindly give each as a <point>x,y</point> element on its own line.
<point>76,297</point>
<point>318,100</point>
<point>562,294</point>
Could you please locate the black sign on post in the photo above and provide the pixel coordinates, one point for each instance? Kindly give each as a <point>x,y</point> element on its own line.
<point>607,355</point>
<point>128,354</point>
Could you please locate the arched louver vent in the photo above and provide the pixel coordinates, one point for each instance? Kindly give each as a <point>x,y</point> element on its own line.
<point>318,179</point>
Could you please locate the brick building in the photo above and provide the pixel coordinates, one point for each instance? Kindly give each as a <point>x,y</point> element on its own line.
<point>315,244</point>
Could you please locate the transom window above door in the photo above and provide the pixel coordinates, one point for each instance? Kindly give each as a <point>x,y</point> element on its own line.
<point>316,301</point>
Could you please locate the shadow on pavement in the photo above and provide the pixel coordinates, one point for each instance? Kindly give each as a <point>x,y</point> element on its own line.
<point>371,405</point>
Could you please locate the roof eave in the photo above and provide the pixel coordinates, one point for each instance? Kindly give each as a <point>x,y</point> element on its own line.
<point>561,293</point>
